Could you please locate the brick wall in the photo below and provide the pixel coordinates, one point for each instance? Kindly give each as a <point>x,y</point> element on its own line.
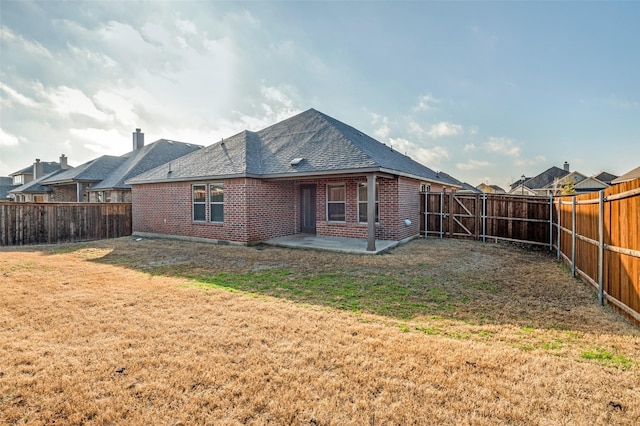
<point>62,193</point>
<point>257,210</point>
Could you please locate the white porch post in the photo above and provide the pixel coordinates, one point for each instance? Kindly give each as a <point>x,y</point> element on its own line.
<point>371,212</point>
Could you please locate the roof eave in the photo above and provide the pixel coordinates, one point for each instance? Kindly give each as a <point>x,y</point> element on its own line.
<point>192,178</point>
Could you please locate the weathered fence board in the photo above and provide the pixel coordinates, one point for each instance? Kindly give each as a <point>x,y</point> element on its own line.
<point>597,234</point>
<point>487,216</point>
<point>51,223</point>
<point>602,243</point>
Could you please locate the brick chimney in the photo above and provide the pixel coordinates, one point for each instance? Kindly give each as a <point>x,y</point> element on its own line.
<point>38,169</point>
<point>566,166</point>
<point>63,162</point>
<point>138,140</point>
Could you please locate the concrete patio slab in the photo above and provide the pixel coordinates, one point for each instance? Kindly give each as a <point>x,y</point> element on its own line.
<point>339,244</point>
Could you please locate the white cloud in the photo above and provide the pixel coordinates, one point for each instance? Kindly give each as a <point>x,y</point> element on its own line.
<point>444,128</point>
<point>117,106</point>
<point>383,130</point>
<point>531,161</point>
<point>29,47</point>
<point>426,156</point>
<point>7,139</point>
<point>67,101</point>
<point>101,141</point>
<point>469,147</point>
<point>426,102</point>
<point>15,96</point>
<point>472,165</point>
<point>504,146</point>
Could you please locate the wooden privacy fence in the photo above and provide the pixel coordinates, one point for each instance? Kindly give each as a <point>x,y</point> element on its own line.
<point>490,217</point>
<point>598,233</point>
<point>599,236</point>
<point>51,223</point>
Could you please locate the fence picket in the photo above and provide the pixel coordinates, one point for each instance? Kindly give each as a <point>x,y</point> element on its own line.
<point>50,223</point>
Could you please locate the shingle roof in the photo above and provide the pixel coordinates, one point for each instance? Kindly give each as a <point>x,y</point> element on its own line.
<point>6,185</point>
<point>630,175</point>
<point>606,177</point>
<point>47,167</point>
<point>326,145</point>
<point>153,155</point>
<point>91,171</point>
<point>545,178</point>
<point>35,186</point>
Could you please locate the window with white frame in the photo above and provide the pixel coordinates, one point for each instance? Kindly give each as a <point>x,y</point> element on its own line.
<point>363,196</point>
<point>216,201</point>
<point>199,203</point>
<point>211,194</point>
<point>336,202</point>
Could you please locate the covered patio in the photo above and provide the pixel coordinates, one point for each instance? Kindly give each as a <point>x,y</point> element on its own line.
<point>338,244</point>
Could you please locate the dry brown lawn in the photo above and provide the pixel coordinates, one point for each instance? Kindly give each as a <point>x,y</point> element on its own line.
<point>169,333</point>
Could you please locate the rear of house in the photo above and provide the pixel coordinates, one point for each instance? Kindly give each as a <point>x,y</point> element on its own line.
<point>308,174</point>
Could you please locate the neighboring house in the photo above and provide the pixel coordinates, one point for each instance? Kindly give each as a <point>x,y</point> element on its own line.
<point>103,179</point>
<point>490,189</point>
<point>630,175</point>
<point>26,182</point>
<point>606,178</point>
<point>6,185</point>
<point>308,174</point>
<point>551,182</point>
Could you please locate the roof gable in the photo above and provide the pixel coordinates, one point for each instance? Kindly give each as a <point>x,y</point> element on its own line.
<point>605,177</point>
<point>545,178</point>
<point>91,171</point>
<point>150,156</point>
<point>324,144</point>
<point>630,175</point>
<point>36,186</point>
<point>47,167</point>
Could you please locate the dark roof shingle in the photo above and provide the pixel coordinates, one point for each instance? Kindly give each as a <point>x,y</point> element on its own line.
<point>325,145</point>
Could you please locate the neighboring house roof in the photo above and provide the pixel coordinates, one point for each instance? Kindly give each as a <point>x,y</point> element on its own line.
<point>47,167</point>
<point>546,178</point>
<point>35,186</point>
<point>605,177</point>
<point>574,176</point>
<point>630,175</point>
<point>91,171</point>
<point>6,185</point>
<point>325,146</point>
<point>153,155</point>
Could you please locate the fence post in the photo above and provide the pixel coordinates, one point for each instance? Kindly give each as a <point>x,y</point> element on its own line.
<point>484,217</point>
<point>559,226</point>
<point>573,236</point>
<point>550,222</point>
<point>426,215</point>
<point>441,213</point>
<point>600,248</point>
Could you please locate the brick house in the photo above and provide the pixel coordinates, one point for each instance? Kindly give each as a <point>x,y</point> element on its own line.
<point>29,179</point>
<point>103,179</point>
<point>307,174</point>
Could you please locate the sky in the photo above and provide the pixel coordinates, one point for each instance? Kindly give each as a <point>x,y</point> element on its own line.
<point>484,91</point>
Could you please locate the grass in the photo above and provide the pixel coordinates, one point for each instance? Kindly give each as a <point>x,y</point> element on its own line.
<point>164,332</point>
<point>607,358</point>
<point>392,296</point>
